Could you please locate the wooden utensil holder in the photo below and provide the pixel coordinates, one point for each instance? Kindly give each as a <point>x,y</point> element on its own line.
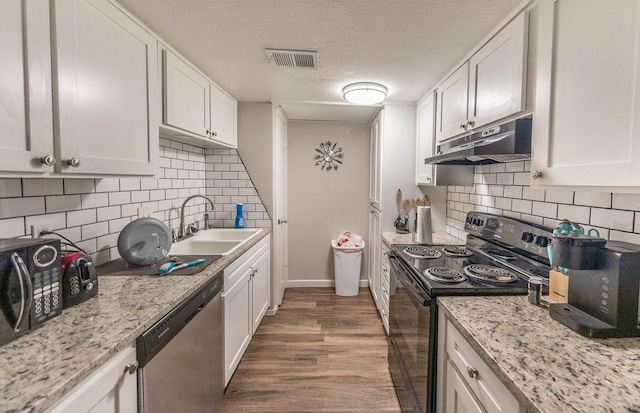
<point>558,286</point>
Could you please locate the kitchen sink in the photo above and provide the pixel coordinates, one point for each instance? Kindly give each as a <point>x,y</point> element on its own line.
<point>218,241</point>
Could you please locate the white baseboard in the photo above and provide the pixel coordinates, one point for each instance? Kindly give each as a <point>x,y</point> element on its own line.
<point>319,283</point>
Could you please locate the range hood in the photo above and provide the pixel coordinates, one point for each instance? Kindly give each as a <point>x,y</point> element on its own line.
<point>508,142</point>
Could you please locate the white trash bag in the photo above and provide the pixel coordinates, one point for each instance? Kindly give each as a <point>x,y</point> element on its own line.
<point>347,258</point>
<point>348,242</point>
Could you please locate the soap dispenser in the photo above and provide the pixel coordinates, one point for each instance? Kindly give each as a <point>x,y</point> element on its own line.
<point>239,218</point>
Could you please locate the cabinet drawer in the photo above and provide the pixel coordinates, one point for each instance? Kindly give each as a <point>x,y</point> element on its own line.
<point>492,394</point>
<point>235,270</point>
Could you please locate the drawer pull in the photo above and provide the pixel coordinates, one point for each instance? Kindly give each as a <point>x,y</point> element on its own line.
<point>472,372</point>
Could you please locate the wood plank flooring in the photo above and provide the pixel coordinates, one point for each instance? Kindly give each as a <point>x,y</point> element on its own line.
<point>319,353</point>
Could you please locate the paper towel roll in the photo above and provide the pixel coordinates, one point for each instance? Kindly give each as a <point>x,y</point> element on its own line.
<point>424,233</point>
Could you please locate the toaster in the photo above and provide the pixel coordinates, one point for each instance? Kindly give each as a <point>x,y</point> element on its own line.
<point>79,278</point>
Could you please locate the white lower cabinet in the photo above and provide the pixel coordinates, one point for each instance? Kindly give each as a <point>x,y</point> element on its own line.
<point>245,301</point>
<point>374,254</point>
<point>112,388</point>
<point>466,382</point>
<point>384,287</point>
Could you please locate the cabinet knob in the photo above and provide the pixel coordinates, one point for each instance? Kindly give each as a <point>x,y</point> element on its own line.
<point>214,133</point>
<point>472,372</point>
<point>48,160</point>
<point>208,132</point>
<point>73,162</point>
<point>470,123</point>
<point>536,174</point>
<point>131,368</point>
<point>462,125</point>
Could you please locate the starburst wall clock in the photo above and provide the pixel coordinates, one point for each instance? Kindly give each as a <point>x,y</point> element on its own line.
<point>328,156</point>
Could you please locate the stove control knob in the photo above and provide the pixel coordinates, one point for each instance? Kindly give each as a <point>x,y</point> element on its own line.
<point>527,237</point>
<point>542,241</point>
<point>481,222</point>
<point>476,221</point>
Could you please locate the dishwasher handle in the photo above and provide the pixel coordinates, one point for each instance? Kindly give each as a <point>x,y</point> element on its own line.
<point>152,341</point>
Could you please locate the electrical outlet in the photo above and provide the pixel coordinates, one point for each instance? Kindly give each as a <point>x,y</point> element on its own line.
<point>144,212</point>
<point>36,230</point>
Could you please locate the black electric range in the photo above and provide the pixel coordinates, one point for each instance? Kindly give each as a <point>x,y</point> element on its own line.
<point>499,257</point>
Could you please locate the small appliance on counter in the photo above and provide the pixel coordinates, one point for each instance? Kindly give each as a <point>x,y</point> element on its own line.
<point>604,288</point>
<point>30,292</point>
<point>79,278</point>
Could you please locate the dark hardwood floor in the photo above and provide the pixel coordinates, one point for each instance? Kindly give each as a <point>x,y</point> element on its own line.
<point>319,353</point>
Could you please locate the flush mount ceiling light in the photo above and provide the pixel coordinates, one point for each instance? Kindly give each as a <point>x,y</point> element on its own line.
<point>364,93</point>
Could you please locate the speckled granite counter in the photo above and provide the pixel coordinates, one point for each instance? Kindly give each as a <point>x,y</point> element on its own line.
<point>39,368</point>
<point>548,367</point>
<point>438,238</point>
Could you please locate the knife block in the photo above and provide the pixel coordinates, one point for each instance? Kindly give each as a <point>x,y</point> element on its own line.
<point>558,286</point>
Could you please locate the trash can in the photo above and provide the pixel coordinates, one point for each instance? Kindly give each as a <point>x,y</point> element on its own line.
<point>347,260</point>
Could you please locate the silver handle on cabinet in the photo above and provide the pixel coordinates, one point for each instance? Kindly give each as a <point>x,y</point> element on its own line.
<point>131,368</point>
<point>536,174</point>
<point>48,160</point>
<point>472,372</point>
<point>73,162</point>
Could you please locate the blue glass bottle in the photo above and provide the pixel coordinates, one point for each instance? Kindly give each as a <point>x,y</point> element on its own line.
<point>239,218</point>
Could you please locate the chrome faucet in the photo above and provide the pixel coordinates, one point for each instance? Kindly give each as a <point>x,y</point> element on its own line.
<point>181,229</point>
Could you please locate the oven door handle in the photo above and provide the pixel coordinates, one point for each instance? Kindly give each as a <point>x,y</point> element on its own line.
<point>403,275</point>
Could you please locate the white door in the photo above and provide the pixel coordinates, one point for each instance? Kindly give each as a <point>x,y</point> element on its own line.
<point>586,129</point>
<point>238,331</point>
<point>106,88</point>
<point>458,398</point>
<point>452,100</point>
<point>281,234</point>
<point>26,115</point>
<point>260,288</point>
<point>497,74</point>
<point>374,255</point>
<point>375,162</point>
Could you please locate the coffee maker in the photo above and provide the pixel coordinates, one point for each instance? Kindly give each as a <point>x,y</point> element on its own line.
<point>604,286</point>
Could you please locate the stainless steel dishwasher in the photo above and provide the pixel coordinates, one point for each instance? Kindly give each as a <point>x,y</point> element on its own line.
<point>181,356</point>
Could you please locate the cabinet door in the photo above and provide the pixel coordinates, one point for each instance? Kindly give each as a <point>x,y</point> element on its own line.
<point>186,96</point>
<point>25,81</point>
<point>375,162</point>
<point>223,118</point>
<point>497,74</point>
<point>106,86</point>
<point>260,289</point>
<point>425,129</point>
<point>237,323</point>
<point>110,389</point>
<point>374,255</point>
<point>586,130</point>
<point>458,398</point>
<point>451,113</point>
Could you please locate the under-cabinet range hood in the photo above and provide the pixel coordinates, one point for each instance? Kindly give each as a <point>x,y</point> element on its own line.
<point>508,142</point>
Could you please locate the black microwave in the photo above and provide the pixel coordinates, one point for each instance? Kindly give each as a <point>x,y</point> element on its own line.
<point>30,285</point>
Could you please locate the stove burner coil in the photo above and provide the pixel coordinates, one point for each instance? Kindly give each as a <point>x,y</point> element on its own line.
<point>444,275</point>
<point>489,273</point>
<point>456,251</point>
<point>422,252</point>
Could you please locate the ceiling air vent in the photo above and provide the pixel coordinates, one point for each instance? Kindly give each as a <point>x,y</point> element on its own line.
<point>293,58</point>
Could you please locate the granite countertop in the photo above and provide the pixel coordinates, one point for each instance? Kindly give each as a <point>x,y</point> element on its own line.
<point>37,369</point>
<point>547,366</point>
<point>438,238</point>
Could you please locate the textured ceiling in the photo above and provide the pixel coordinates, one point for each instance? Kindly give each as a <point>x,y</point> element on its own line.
<point>407,45</point>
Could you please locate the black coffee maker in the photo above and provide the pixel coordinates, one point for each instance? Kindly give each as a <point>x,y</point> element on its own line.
<point>604,286</point>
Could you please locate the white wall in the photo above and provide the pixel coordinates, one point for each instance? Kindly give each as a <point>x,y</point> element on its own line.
<point>322,204</point>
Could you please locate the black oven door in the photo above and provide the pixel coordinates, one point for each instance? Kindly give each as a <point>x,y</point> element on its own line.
<point>412,318</point>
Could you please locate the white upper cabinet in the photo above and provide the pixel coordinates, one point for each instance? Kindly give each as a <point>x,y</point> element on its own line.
<point>488,87</point>
<point>452,98</point>
<point>105,90</point>
<point>586,129</point>
<point>193,104</point>
<point>186,96</point>
<point>25,82</point>
<point>424,141</point>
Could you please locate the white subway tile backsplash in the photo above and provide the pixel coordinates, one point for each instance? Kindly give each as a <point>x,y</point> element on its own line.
<point>139,196</point>
<point>55,221</point>
<point>612,218</point>
<point>626,201</point>
<point>559,196</point>
<point>119,198</point>
<point>521,178</point>
<point>13,227</point>
<point>505,179</point>
<point>95,200</point>
<point>497,167</point>
<point>20,207</point>
<point>514,167</point>
<point>82,217</point>
<point>116,225</point>
<point>513,192</point>
<point>129,184</point>
<point>37,187</point>
<point>503,203</point>
<point>95,230</point>
<point>533,194</point>
<point>10,188</point>
<point>625,236</point>
<point>108,213</point>
<point>546,210</point>
<point>107,185</point>
<point>636,227</point>
<point>522,206</point>
<point>79,186</point>
<point>594,199</point>
<point>573,213</point>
